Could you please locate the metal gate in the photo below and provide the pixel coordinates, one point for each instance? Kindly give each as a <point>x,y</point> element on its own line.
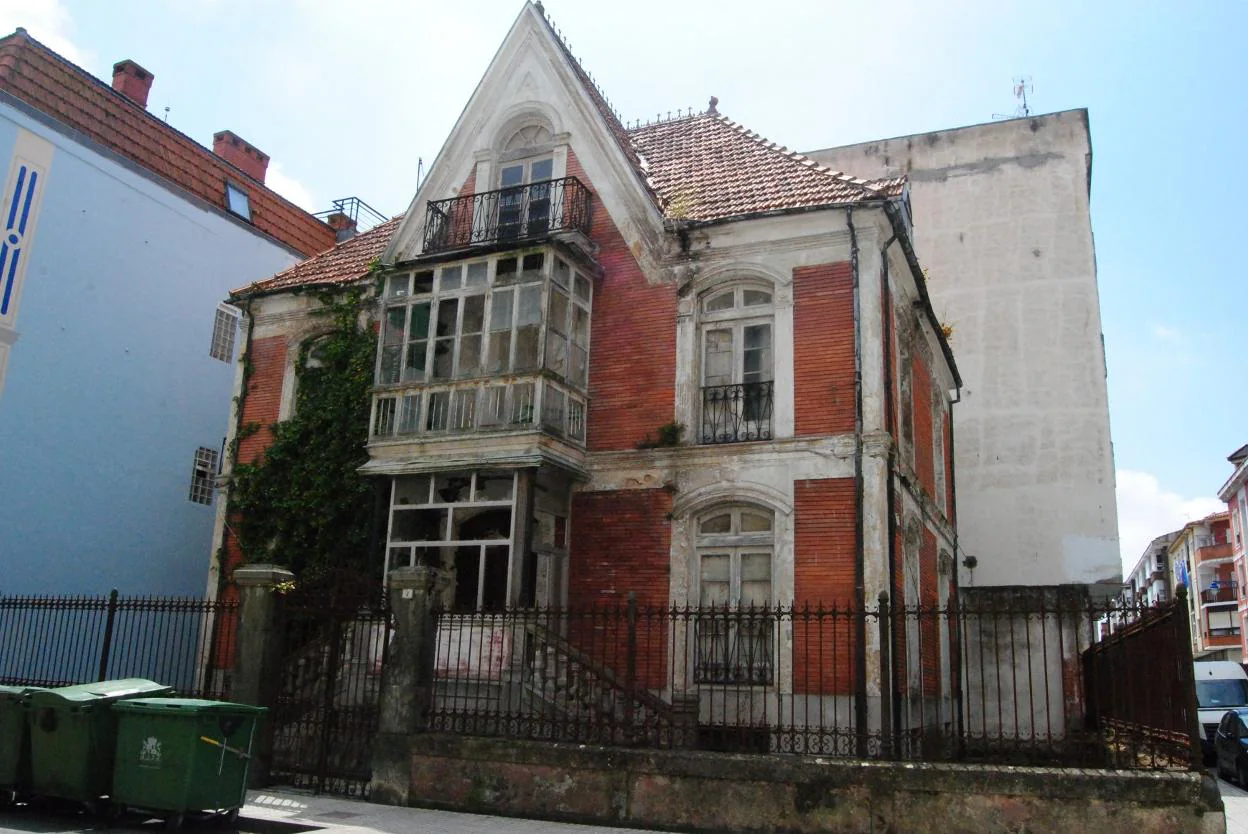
<point>325,716</point>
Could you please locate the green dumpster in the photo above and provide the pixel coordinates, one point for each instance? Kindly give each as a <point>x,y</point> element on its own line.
<point>73,733</point>
<point>181,755</point>
<point>14,743</point>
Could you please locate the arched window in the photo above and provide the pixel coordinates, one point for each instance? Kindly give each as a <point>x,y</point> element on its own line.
<point>524,173</point>
<point>735,628</point>
<point>737,364</point>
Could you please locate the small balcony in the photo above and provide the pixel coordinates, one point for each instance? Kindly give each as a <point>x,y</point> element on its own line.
<point>737,413</point>
<point>507,215</point>
<point>1225,592</point>
<point>1213,552</point>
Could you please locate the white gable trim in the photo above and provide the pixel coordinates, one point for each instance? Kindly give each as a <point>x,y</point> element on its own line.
<point>530,75</point>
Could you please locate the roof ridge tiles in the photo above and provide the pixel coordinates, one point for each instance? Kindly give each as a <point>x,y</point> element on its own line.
<point>342,263</point>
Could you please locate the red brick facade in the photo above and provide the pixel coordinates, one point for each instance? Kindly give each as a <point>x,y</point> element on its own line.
<point>825,554</point>
<point>823,349</point>
<point>621,544</point>
<point>632,384</point>
<point>262,402</point>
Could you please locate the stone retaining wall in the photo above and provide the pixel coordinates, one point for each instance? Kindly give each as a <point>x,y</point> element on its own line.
<point>689,790</point>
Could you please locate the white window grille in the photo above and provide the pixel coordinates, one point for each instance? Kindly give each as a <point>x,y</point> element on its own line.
<point>204,475</point>
<point>224,328</point>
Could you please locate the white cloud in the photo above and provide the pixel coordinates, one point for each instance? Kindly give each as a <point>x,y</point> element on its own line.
<point>1167,334</point>
<point>48,22</point>
<point>290,188</point>
<point>1146,510</point>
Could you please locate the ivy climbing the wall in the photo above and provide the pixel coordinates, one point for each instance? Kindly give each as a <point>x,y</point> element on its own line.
<point>303,504</point>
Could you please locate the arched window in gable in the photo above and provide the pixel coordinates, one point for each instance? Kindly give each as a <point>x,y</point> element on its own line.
<point>737,363</point>
<point>525,170</point>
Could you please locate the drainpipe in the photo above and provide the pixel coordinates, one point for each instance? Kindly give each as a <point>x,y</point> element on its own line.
<point>860,656</point>
<point>955,672</point>
<point>890,411</point>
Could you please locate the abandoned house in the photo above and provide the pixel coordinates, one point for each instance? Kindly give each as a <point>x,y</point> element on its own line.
<point>677,361</point>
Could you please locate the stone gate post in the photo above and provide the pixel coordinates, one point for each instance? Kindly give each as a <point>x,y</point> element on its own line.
<point>406,682</point>
<point>258,651</point>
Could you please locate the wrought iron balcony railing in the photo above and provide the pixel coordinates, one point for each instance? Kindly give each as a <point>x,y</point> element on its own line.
<point>508,214</point>
<point>736,413</point>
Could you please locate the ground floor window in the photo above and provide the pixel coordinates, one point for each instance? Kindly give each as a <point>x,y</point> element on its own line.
<point>735,626</point>
<point>461,524</point>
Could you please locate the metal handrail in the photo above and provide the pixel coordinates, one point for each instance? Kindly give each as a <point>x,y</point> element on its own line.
<point>503,215</point>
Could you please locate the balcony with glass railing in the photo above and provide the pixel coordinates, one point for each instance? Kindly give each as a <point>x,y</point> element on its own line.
<point>491,345</point>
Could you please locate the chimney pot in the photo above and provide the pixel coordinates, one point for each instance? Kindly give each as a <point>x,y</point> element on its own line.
<point>132,81</point>
<point>236,151</point>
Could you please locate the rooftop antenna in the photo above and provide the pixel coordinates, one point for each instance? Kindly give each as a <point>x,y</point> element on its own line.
<point>1022,87</point>
<point>166,114</point>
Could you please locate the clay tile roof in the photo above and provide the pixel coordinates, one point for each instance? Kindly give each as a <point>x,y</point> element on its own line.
<point>343,264</point>
<point>708,167</point>
<point>71,95</point>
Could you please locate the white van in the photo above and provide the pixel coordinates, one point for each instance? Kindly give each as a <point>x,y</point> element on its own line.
<point>1220,685</point>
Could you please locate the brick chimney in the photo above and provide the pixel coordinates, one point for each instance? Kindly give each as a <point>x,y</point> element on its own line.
<point>343,225</point>
<point>132,81</point>
<point>240,154</point>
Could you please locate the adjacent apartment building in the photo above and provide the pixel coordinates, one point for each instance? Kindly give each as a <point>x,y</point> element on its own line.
<point>1201,558</point>
<point>1003,227</point>
<point>1235,493</point>
<point>122,236</point>
<point>1150,581</point>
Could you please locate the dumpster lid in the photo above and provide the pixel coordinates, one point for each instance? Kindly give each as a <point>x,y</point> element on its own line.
<point>103,691</point>
<point>13,693</point>
<point>186,706</point>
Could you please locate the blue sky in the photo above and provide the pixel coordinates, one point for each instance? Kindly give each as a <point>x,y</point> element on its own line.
<point>346,97</point>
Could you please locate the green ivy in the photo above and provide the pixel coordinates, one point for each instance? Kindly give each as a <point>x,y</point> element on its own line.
<point>304,505</point>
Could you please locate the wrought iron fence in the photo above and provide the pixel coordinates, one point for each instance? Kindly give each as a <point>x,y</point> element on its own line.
<point>1141,690</point>
<point>737,413</point>
<point>508,214</point>
<point>335,634</point>
<point>63,640</point>
<point>996,676</point>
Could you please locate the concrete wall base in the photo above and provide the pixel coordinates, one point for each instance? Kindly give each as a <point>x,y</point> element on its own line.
<point>698,791</point>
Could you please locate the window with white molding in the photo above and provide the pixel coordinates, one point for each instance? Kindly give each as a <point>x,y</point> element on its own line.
<point>737,364</point>
<point>735,546</point>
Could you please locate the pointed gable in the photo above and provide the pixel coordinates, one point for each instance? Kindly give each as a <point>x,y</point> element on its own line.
<point>533,78</point>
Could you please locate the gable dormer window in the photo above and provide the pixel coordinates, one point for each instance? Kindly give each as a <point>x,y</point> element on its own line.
<point>526,166</point>
<point>524,198</point>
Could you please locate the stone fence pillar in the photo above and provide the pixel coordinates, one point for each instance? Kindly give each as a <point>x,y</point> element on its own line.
<point>258,651</point>
<point>406,682</point>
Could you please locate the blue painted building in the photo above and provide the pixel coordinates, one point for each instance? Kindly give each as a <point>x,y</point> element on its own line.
<point>117,364</point>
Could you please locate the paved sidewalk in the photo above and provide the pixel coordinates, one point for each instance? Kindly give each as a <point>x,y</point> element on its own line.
<point>1236,802</point>
<point>346,816</point>
<point>294,812</point>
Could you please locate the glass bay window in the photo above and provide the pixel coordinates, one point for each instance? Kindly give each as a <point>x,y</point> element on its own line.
<point>451,331</point>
